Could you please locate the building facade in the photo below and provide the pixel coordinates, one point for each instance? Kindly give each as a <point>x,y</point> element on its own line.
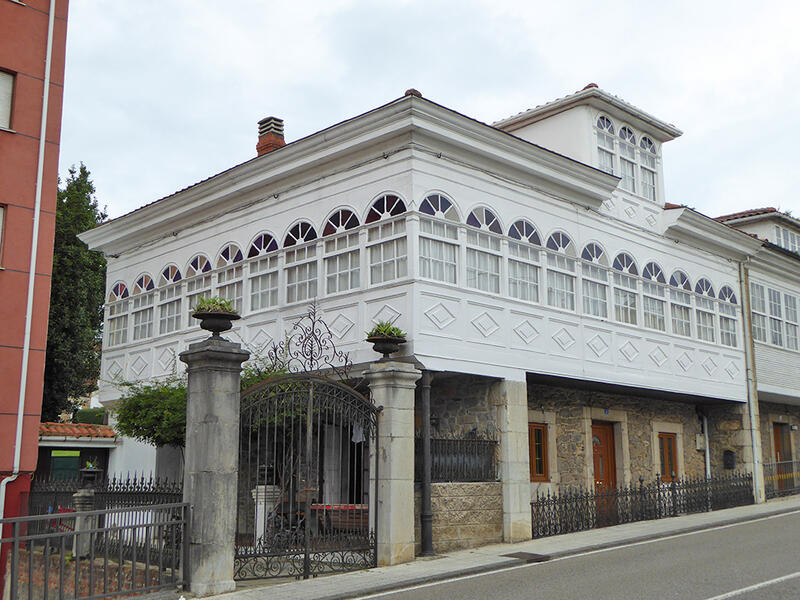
<point>541,276</point>
<point>32,48</point>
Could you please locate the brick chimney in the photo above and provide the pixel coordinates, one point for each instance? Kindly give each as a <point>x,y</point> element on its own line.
<point>270,135</point>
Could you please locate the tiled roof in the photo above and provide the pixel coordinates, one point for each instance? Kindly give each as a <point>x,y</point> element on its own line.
<point>753,212</point>
<point>76,430</point>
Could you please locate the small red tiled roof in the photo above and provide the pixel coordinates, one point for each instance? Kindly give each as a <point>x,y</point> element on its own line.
<point>670,205</point>
<point>76,430</point>
<point>753,212</point>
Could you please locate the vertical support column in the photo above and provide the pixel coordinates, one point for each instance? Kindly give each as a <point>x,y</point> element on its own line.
<point>511,399</point>
<point>83,500</point>
<point>392,385</point>
<point>212,450</point>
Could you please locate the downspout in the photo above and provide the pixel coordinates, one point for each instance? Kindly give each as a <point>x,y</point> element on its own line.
<point>37,208</point>
<point>752,389</point>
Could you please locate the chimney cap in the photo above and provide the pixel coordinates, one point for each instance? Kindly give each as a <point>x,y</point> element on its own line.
<point>589,86</point>
<point>270,125</point>
<point>413,92</point>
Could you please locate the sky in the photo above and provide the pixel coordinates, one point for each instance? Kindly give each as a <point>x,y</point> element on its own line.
<point>162,94</point>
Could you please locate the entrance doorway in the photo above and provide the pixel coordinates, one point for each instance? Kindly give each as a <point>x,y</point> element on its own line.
<point>783,455</point>
<point>605,466</point>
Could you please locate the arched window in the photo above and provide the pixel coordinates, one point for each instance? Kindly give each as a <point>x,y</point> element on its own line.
<point>483,218</point>
<point>263,244</point>
<point>524,231</point>
<point>437,205</point>
<point>680,280</point>
<point>605,124</point>
<point>560,242</point>
<point>624,262</point>
<point>594,253</point>
<point>681,304</point>
<point>385,207</point>
<point>727,316</point>
<point>653,272</point>
<point>198,265</point>
<point>300,233</point>
<point>342,220</point>
<point>627,135</point>
<point>229,255</point>
<point>170,274</point>
<point>229,280</point>
<point>117,315</point>
<point>119,291</point>
<point>704,287</point>
<point>647,145</point>
<point>142,298</point>
<point>169,300</point>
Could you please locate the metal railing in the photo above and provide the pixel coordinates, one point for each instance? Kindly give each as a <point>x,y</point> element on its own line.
<point>467,460</point>
<point>97,554</point>
<point>51,495</point>
<point>781,478</point>
<point>578,509</point>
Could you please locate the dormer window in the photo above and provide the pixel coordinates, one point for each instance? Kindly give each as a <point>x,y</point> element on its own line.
<point>787,239</point>
<point>624,153</point>
<point>605,144</point>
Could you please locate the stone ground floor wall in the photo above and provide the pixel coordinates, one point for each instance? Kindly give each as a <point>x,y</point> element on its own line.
<point>728,432</point>
<point>460,406</point>
<point>568,414</point>
<point>772,414</point>
<point>465,515</point>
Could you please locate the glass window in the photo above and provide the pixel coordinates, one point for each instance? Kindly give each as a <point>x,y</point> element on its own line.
<point>483,218</point>
<point>301,282</point>
<point>560,290</point>
<point>117,321</point>
<point>628,174</point>
<point>437,260</point>
<point>667,449</point>
<point>342,220</point>
<point>230,286</point>
<point>387,260</point>
<point>299,233</point>
<point>263,244</point>
<point>681,311</point>
<point>524,231</point>
<point>437,205</point>
<point>385,207</point>
<point>727,317</point>
<point>264,283</point>
<point>705,326</point>
<point>6,96</point>
<point>537,442</point>
<point>523,281</point>
<point>342,272</point>
<point>169,316</point>
<point>483,271</point>
<point>595,288</point>
<point>791,322</point>
<point>759,309</point>
<point>142,300</point>
<point>653,272</point>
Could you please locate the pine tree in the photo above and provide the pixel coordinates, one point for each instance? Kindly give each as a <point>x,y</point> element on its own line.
<point>72,365</point>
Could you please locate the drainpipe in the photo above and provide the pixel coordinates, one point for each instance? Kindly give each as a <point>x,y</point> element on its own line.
<point>752,388</point>
<point>37,207</point>
<point>426,520</point>
<point>708,455</point>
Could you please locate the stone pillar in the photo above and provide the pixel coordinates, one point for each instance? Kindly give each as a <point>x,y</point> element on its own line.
<point>511,400</point>
<point>212,449</point>
<point>83,500</point>
<point>392,385</point>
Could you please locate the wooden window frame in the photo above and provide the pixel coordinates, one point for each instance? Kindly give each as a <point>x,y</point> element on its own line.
<point>544,476</point>
<point>663,435</point>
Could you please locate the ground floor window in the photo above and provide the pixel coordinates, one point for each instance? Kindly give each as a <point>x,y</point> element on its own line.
<point>667,447</point>
<point>537,442</point>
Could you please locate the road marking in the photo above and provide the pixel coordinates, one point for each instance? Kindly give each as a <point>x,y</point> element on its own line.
<point>591,552</point>
<point>757,586</point>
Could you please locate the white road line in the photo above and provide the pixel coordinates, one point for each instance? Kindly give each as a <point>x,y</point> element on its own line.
<point>589,553</point>
<point>757,586</point>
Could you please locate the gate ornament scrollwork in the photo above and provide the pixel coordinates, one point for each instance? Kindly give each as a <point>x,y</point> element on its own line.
<point>309,347</point>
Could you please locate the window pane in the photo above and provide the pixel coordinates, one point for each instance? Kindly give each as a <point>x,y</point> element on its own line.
<point>6,94</point>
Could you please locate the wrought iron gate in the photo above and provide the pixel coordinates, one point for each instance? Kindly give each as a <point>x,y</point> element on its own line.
<point>307,473</point>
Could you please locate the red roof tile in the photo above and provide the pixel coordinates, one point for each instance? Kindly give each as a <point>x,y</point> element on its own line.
<point>753,212</point>
<point>77,430</point>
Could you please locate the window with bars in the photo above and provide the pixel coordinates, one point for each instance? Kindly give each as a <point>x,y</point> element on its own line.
<point>263,283</point>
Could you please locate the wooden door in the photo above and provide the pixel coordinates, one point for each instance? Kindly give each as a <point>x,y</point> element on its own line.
<point>605,466</point>
<point>783,453</point>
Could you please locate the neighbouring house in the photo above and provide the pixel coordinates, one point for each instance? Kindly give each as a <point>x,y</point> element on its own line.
<point>32,49</point>
<point>65,448</point>
<point>534,263</point>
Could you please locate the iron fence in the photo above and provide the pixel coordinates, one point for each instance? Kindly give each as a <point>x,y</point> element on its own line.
<point>782,478</point>
<point>459,460</point>
<point>55,495</point>
<point>97,554</point>
<point>579,509</point>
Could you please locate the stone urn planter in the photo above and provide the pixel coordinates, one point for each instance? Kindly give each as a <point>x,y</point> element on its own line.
<point>89,477</point>
<point>386,345</point>
<point>216,321</point>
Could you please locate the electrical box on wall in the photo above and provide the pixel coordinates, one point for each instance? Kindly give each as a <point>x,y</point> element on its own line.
<point>700,442</point>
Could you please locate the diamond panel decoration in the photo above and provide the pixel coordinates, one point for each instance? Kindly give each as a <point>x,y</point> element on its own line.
<point>166,359</point>
<point>629,351</point>
<point>631,212</point>
<point>440,316</point>
<point>597,345</point>
<point>387,314</point>
<point>564,338</point>
<point>709,365</point>
<point>526,331</point>
<point>732,370</point>
<point>261,339</point>
<point>139,365</point>
<point>684,361</point>
<point>485,324</point>
<point>340,326</point>
<point>114,369</point>
<point>658,356</point>
<point>651,220</point>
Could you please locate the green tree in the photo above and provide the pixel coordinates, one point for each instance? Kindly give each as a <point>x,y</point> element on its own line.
<point>72,365</point>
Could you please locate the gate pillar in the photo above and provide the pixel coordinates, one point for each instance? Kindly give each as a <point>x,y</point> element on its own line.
<point>212,448</point>
<point>392,385</point>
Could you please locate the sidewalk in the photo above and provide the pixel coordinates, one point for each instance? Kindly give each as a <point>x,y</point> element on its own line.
<point>488,558</point>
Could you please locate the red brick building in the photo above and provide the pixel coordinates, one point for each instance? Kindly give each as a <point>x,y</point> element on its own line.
<point>32,48</point>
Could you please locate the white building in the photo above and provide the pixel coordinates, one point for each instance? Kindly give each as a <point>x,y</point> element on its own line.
<point>536,259</point>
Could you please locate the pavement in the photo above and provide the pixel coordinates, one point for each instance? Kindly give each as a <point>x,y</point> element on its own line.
<point>495,557</point>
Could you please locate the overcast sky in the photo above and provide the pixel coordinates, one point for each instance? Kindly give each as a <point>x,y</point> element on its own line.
<point>162,94</point>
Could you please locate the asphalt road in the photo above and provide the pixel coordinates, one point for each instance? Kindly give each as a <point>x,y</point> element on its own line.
<point>757,560</point>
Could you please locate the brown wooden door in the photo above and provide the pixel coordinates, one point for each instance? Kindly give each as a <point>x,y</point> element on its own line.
<point>605,467</point>
<point>783,452</point>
